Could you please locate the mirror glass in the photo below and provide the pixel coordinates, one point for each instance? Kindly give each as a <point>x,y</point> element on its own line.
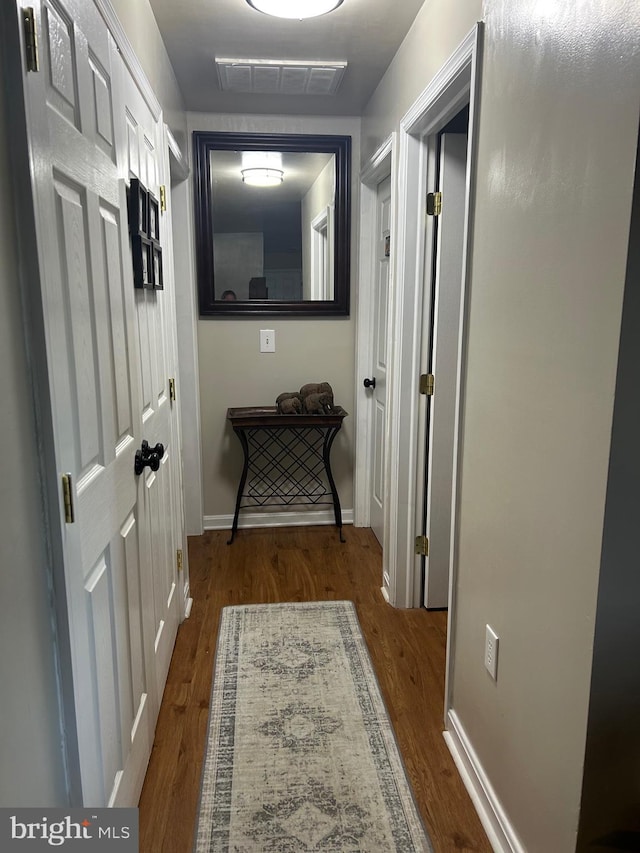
<point>272,224</point>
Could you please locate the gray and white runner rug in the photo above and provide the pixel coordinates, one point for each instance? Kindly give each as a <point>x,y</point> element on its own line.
<point>300,754</point>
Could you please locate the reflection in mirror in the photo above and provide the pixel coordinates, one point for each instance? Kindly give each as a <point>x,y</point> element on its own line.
<point>272,223</point>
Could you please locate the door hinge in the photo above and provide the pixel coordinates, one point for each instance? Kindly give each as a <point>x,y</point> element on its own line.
<point>163,198</point>
<point>67,493</point>
<point>179,561</point>
<point>428,384</point>
<point>31,38</point>
<point>422,546</point>
<point>434,204</point>
<point>172,390</point>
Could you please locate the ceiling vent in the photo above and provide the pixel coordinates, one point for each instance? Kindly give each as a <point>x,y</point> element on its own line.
<point>279,76</point>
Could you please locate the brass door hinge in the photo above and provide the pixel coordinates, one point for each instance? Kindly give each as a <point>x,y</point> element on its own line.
<point>172,390</point>
<point>67,494</point>
<point>163,198</point>
<point>422,546</point>
<point>179,560</point>
<point>428,384</point>
<point>434,204</point>
<point>31,38</point>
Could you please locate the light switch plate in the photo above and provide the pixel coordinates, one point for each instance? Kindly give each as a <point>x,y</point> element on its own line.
<point>267,340</point>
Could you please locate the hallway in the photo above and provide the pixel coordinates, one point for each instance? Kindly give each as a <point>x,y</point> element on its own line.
<point>407,648</point>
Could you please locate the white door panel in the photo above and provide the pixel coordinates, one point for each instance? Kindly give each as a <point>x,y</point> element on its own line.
<point>381,303</point>
<point>101,342</point>
<point>141,145</point>
<point>446,326</point>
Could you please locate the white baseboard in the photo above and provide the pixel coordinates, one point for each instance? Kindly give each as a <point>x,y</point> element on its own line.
<point>502,836</point>
<point>385,594</point>
<point>187,602</point>
<point>276,519</point>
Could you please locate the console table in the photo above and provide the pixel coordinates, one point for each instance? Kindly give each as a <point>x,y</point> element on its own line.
<point>286,459</point>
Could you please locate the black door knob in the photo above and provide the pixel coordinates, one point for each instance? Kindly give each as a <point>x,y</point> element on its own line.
<point>148,457</point>
<point>370,383</point>
<point>159,449</point>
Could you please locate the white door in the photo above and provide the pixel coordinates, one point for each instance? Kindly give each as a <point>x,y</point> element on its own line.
<point>444,366</point>
<point>143,158</point>
<point>382,249</point>
<point>95,339</point>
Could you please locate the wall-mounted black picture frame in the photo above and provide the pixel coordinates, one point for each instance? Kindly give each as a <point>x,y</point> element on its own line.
<point>158,279</point>
<point>153,218</point>
<point>138,199</point>
<point>142,250</point>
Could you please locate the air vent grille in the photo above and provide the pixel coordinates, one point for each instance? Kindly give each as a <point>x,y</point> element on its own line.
<point>280,77</point>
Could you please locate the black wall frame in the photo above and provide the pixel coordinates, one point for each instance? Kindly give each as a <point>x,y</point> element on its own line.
<point>204,142</point>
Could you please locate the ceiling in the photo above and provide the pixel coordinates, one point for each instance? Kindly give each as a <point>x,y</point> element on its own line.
<point>365,33</point>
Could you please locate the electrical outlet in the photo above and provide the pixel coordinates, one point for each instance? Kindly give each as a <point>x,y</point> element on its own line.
<point>267,340</point>
<point>491,652</point>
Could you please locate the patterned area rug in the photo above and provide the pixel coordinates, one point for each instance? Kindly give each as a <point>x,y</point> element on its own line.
<point>301,755</point>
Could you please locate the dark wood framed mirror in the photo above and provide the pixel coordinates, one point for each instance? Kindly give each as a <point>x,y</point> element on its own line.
<point>272,224</point>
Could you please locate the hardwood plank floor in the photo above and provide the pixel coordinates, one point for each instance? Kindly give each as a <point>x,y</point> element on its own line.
<point>407,648</point>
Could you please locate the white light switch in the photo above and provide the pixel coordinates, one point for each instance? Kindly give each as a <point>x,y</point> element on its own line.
<point>267,340</point>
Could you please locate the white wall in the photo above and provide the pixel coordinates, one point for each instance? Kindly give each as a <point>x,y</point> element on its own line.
<point>558,127</point>
<point>31,762</point>
<point>234,373</point>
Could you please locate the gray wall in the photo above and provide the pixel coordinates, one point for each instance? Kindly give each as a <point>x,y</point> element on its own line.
<point>438,29</point>
<point>557,137</point>
<point>558,128</point>
<point>611,788</point>
<point>234,373</point>
<point>31,763</point>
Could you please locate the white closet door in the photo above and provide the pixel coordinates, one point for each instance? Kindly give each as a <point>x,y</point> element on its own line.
<point>106,364</point>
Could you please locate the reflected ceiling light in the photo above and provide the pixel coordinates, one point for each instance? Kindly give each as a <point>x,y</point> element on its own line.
<point>295,8</point>
<point>262,177</point>
<point>262,168</point>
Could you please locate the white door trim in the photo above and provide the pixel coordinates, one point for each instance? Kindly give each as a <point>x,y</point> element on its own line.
<point>379,167</point>
<point>450,89</point>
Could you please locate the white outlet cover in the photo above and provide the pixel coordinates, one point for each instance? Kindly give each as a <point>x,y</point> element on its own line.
<point>491,652</point>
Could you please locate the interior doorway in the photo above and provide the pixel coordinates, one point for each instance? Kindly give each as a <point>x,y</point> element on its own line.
<point>455,86</point>
<point>444,271</point>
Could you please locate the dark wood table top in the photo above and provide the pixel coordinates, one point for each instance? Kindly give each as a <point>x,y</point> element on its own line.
<point>256,416</point>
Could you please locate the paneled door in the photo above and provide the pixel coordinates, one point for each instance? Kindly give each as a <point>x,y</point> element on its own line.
<point>140,153</point>
<point>105,357</point>
<point>378,381</point>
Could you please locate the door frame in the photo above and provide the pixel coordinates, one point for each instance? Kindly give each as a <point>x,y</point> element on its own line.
<point>455,84</point>
<point>381,165</point>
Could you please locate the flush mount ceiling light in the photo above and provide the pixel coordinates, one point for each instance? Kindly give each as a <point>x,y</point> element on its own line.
<point>262,168</point>
<point>295,8</point>
<point>259,177</point>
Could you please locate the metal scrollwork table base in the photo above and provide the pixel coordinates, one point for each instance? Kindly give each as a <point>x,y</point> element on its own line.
<point>286,459</point>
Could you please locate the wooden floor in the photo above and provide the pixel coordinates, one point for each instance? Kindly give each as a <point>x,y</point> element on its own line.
<point>407,648</point>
